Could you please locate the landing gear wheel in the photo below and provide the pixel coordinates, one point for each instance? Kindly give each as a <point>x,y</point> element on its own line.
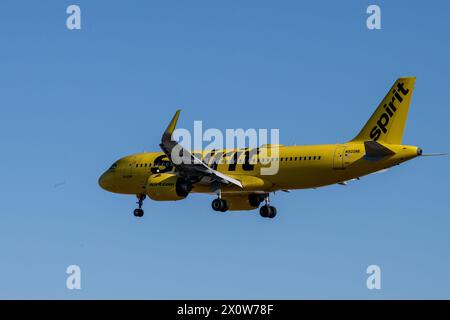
<point>272,212</point>
<point>138,212</point>
<point>264,211</point>
<point>219,205</point>
<point>224,206</point>
<point>267,211</point>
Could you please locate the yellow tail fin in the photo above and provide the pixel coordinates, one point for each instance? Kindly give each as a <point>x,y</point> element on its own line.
<point>388,122</point>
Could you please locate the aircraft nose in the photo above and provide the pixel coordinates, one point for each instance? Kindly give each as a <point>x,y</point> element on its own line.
<point>101,181</point>
<point>105,181</point>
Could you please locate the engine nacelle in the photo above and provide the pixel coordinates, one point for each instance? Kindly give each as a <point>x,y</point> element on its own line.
<point>167,187</point>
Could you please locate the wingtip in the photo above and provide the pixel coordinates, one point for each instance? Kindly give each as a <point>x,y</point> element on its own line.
<point>172,124</point>
<point>175,117</point>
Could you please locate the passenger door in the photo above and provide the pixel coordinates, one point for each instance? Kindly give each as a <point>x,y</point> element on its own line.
<point>338,160</point>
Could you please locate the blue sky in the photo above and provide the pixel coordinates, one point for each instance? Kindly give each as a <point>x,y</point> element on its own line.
<point>72,102</point>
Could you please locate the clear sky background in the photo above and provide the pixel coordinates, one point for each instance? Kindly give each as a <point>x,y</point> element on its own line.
<point>72,102</point>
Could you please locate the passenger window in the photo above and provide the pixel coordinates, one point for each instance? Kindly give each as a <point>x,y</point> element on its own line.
<point>314,157</point>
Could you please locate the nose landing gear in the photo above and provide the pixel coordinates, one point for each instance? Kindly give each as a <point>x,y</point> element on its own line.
<point>139,212</point>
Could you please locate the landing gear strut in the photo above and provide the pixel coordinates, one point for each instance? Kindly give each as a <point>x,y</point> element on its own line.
<point>218,204</point>
<point>267,211</point>
<point>139,212</point>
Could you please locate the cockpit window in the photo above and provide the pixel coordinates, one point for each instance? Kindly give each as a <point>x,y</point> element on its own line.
<point>113,166</point>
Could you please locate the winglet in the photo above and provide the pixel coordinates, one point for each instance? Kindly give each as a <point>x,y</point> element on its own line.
<point>171,127</point>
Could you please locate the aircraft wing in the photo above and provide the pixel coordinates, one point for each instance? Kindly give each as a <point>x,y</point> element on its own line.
<point>187,164</point>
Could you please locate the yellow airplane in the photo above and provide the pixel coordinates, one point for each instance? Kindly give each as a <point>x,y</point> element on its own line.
<point>236,178</point>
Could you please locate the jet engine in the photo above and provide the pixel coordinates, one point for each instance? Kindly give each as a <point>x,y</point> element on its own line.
<point>167,187</point>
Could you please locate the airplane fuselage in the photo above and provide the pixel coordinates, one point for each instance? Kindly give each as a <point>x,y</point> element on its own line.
<point>299,167</point>
<point>242,179</point>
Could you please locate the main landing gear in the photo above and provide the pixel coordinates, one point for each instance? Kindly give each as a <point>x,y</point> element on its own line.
<point>219,205</point>
<point>267,211</point>
<point>139,212</point>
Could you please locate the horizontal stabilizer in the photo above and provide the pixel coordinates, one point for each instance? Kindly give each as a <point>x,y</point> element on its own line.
<point>376,151</point>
